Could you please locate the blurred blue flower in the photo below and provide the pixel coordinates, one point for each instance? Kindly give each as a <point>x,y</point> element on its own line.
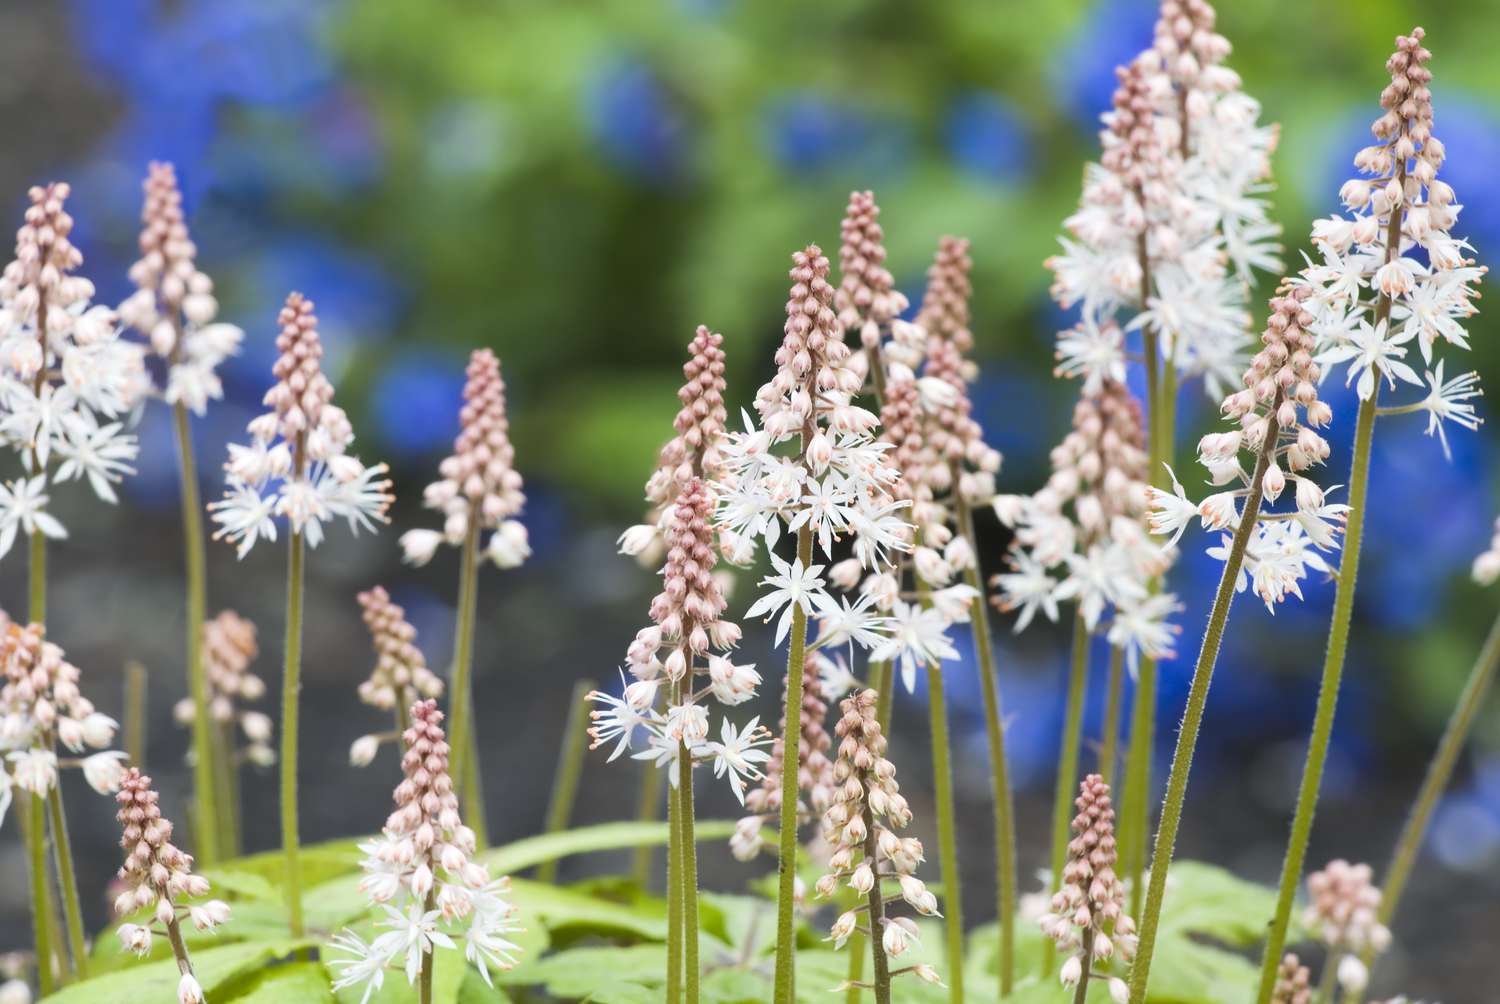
<point>1465,833</point>
<point>811,133</point>
<point>416,399</point>
<point>636,121</point>
<point>986,136</point>
<point>1112,33</point>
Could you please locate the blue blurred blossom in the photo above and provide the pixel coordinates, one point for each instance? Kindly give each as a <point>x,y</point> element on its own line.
<point>811,133</point>
<point>635,120</point>
<point>416,400</point>
<point>986,136</point>
<point>1112,33</point>
<point>1465,833</point>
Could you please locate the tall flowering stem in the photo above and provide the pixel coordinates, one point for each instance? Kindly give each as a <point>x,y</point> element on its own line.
<point>860,826</point>
<point>421,874</point>
<point>838,485</point>
<point>296,466</point>
<point>174,307</point>
<point>1397,206</point>
<point>1439,773</point>
<point>1276,413</point>
<point>158,876</point>
<point>478,489</point>
<point>1068,754</point>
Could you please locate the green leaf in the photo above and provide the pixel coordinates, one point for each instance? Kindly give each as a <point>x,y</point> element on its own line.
<point>475,991</point>
<point>531,851</point>
<point>746,924</point>
<point>298,983</point>
<point>318,862</point>
<point>1210,901</point>
<point>625,993</point>
<point>578,972</point>
<point>574,913</point>
<point>157,981</point>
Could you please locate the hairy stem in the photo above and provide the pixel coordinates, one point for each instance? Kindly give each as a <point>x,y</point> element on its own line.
<point>994,731</point>
<point>1192,718</point>
<point>62,852</point>
<point>876,900</point>
<point>424,987</point>
<point>226,776</point>
<point>1109,742</point>
<point>473,793</point>
<point>291,688</point>
<point>1067,763</point>
<point>461,698</point>
<point>1333,659</point>
<point>1439,772</point>
<point>786,863</point>
<point>689,874</point>
<point>206,817</point>
<point>135,713</point>
<point>569,770</point>
<point>947,824</point>
<point>674,896</point>
<point>41,896</point>
<point>38,578</point>
<point>1086,950</point>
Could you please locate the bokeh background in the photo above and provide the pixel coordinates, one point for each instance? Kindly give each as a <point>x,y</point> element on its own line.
<point>577,184</point>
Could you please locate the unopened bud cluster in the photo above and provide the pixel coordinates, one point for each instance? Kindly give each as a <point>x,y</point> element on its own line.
<point>229,647</point>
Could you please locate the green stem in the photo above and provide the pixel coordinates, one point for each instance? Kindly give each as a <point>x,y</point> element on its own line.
<point>461,696</point>
<point>473,793</point>
<point>787,859</point>
<point>1067,763</point>
<point>226,776</point>
<point>1328,985</point>
<point>1109,743</point>
<point>1192,717</point>
<point>424,988</point>
<point>38,574</point>
<point>674,896</point>
<point>1136,823</point>
<point>206,814</point>
<point>881,675</point>
<point>1328,695</point>
<point>647,810</point>
<point>41,898</point>
<point>62,852</point>
<point>1086,954</point>
<point>994,730</point>
<point>947,825</point>
<point>876,911</point>
<point>291,688</point>
<point>689,873</point>
<point>569,770</point>
<point>1439,772</point>
<point>135,713</point>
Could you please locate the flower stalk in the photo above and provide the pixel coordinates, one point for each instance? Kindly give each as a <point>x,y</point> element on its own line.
<point>569,770</point>
<point>1067,760</point>
<point>41,896</point>
<point>291,687</point>
<point>786,860</point>
<point>62,850</point>
<point>947,822</point>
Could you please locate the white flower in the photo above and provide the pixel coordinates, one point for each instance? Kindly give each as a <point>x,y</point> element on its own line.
<point>917,636</point>
<point>1093,351</point>
<point>1029,587</point>
<point>687,723</point>
<point>188,990</point>
<point>1140,628</point>
<point>1370,351</point>
<point>363,750</point>
<point>794,587</point>
<point>737,753</point>
<point>634,540</point>
<point>417,546</point>
<point>841,623</point>
<point>509,546</point>
<point>34,771</point>
<point>618,719</point>
<point>1170,512</point>
<point>1448,401</point>
<point>23,507</point>
<point>136,938</point>
<point>362,964</point>
<point>244,516</point>
<point>104,771</point>
<point>99,453</point>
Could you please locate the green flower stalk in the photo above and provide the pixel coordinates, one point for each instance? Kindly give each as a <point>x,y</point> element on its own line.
<point>478,489</point>
<point>1397,204</point>
<point>400,676</point>
<point>867,855</point>
<point>296,466</point>
<point>175,309</point>
<point>1277,414</point>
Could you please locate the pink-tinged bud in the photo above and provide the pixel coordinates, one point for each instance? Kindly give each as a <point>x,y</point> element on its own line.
<point>1273,482</point>
<point>1071,972</point>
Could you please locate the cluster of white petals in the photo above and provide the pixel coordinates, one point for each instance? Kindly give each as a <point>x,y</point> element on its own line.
<point>174,304</point>
<point>296,465</point>
<point>478,487</point>
<point>814,465</point>
<point>1391,277</point>
<point>1172,223</point>
<point>684,655</point>
<point>421,872</point>
<point>1083,537</point>
<point>68,382</point>
<point>229,647</point>
<point>41,706</point>
<point>1278,413</point>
